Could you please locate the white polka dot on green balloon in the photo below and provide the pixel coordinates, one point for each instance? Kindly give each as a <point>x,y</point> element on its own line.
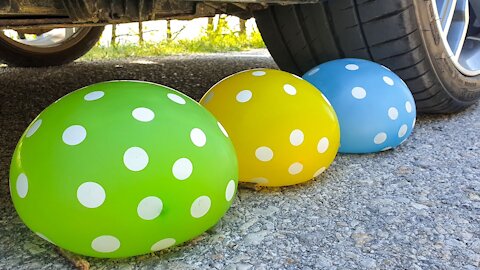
<point>258,73</point>
<point>244,96</point>
<point>295,168</point>
<point>163,244</point>
<point>182,168</point>
<point>388,80</point>
<point>289,89</point>
<point>352,67</point>
<point>380,138</point>
<point>135,159</point>
<point>264,153</point>
<point>230,190</point>
<point>94,95</point>
<point>322,145</point>
<point>319,171</point>
<point>222,129</point>
<point>408,106</point>
<point>200,206</point>
<point>22,185</point>
<point>149,208</point>
<point>91,194</point>
<point>105,244</point>
<point>198,137</point>
<point>393,113</point>
<point>402,131</point>
<point>176,98</point>
<point>34,128</point>
<point>296,137</point>
<point>74,135</point>
<point>359,92</point>
<point>143,114</point>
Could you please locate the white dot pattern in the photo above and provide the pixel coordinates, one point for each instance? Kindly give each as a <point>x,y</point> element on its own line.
<point>402,131</point>
<point>296,137</point>
<point>322,145</point>
<point>22,185</point>
<point>91,194</point>
<point>150,208</point>
<point>182,169</point>
<point>408,106</point>
<point>264,153</point>
<point>289,89</point>
<point>393,113</point>
<point>352,67</point>
<point>313,71</point>
<point>105,244</point>
<point>319,171</point>
<point>135,159</point>
<point>258,73</point>
<point>380,138</point>
<point>74,135</point>
<point>176,98</point>
<point>359,92</point>
<point>388,80</point>
<point>259,180</point>
<point>143,114</point>
<point>163,244</point>
<point>198,137</point>
<point>34,128</point>
<point>230,190</point>
<point>295,168</point>
<point>200,206</point>
<point>244,96</point>
<point>94,95</point>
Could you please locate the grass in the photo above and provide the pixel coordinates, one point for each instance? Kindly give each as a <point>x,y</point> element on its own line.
<point>209,42</point>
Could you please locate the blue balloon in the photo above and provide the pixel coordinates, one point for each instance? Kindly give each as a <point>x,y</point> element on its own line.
<point>375,108</point>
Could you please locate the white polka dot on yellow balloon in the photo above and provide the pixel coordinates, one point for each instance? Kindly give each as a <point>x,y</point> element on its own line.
<point>283,129</point>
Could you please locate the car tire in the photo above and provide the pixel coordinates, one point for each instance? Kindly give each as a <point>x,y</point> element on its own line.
<point>15,54</point>
<point>399,34</point>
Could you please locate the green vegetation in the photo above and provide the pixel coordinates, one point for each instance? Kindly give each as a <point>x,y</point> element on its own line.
<point>221,39</point>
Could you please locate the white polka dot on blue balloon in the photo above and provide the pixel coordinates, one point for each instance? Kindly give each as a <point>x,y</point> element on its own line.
<point>388,80</point>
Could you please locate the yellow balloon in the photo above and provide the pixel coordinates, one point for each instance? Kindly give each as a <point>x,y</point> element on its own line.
<point>284,130</point>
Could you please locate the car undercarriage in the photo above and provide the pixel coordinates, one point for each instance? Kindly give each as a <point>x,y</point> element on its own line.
<point>24,14</point>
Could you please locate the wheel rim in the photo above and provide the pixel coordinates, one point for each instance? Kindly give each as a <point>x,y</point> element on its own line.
<point>459,24</point>
<point>55,40</point>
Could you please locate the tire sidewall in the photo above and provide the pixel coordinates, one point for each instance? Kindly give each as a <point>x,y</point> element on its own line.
<point>464,89</point>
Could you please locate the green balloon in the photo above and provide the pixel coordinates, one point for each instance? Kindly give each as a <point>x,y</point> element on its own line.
<point>123,168</point>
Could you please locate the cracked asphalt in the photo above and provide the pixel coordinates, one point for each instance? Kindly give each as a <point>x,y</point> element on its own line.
<point>415,207</point>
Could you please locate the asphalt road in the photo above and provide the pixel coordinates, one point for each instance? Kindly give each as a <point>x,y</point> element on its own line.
<point>415,207</point>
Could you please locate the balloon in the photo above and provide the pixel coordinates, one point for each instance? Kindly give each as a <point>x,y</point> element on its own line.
<point>123,168</point>
<point>374,106</point>
<point>284,131</point>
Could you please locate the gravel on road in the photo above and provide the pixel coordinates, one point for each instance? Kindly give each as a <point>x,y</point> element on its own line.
<point>414,207</point>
